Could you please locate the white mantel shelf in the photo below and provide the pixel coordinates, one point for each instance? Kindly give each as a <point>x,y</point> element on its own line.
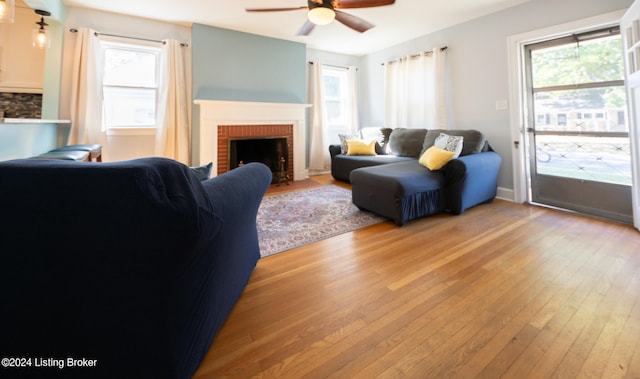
<point>214,113</point>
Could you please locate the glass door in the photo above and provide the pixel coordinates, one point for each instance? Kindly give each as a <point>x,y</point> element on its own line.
<point>579,145</point>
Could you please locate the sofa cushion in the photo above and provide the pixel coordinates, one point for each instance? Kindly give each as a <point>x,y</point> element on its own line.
<point>386,134</point>
<point>450,143</point>
<point>375,133</point>
<point>343,141</point>
<point>202,172</point>
<point>407,142</point>
<point>435,158</point>
<point>474,141</point>
<point>361,147</point>
<point>400,191</point>
<point>342,165</point>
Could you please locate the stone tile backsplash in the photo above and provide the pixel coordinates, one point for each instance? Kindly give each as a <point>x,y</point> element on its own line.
<point>21,105</point>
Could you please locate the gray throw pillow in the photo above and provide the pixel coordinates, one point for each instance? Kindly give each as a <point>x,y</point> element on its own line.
<point>384,144</point>
<point>202,172</point>
<point>407,142</point>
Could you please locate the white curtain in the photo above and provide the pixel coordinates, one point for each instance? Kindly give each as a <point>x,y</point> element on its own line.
<point>173,134</point>
<point>354,121</point>
<point>86,92</point>
<point>415,91</point>
<point>319,159</point>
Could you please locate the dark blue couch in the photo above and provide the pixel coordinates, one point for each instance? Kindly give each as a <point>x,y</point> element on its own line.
<point>133,264</point>
<point>396,186</point>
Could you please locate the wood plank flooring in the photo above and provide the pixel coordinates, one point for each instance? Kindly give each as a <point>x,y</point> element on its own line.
<point>501,291</point>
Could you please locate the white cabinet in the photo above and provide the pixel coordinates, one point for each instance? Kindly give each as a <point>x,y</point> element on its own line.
<point>21,65</point>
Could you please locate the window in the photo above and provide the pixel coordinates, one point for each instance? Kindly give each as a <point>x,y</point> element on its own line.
<point>336,95</point>
<point>562,119</point>
<point>580,75</point>
<point>130,85</point>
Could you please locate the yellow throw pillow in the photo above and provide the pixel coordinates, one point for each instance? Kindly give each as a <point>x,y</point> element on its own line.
<point>360,147</point>
<point>435,158</point>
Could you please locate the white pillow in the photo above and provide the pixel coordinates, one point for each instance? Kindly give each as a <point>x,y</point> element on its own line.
<point>450,143</point>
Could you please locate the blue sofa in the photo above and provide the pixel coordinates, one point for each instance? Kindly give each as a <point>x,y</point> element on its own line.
<point>393,184</point>
<point>131,265</point>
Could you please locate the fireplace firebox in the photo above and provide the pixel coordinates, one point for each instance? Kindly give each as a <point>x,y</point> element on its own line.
<point>272,151</point>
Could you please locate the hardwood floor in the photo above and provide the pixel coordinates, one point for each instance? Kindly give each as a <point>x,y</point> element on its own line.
<point>503,290</point>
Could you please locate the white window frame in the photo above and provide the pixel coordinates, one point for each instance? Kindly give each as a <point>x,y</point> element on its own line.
<point>154,48</point>
<point>342,126</point>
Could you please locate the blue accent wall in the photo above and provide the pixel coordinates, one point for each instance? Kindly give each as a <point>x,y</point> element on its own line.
<point>236,66</point>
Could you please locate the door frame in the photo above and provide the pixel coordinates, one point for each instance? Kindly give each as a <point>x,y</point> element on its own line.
<point>629,24</point>
<point>518,108</point>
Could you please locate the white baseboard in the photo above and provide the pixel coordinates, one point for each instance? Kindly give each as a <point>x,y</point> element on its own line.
<point>505,194</point>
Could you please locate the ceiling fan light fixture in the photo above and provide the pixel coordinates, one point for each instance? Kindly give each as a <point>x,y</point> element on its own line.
<point>321,15</point>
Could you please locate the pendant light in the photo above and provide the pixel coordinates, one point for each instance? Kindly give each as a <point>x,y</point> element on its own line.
<point>7,10</point>
<point>40,37</point>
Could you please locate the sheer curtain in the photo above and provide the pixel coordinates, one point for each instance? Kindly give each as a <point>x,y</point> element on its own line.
<point>173,134</point>
<point>321,127</point>
<point>352,82</point>
<point>415,91</point>
<point>319,159</point>
<point>86,92</point>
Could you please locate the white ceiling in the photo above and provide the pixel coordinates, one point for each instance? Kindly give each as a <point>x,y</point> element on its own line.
<point>400,22</point>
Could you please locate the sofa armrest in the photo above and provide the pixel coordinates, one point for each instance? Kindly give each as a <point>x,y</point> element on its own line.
<point>236,197</point>
<point>233,253</point>
<point>335,150</point>
<point>241,187</point>
<point>471,180</point>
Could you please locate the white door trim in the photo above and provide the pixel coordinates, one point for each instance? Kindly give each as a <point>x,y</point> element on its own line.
<point>518,108</point>
<point>629,31</point>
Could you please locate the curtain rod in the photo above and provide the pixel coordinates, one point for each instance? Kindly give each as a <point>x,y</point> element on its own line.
<point>415,55</point>
<point>73,30</point>
<point>332,65</point>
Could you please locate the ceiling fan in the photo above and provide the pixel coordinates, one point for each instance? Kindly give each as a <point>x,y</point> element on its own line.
<point>322,12</point>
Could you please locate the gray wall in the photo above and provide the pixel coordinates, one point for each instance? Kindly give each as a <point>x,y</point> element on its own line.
<point>231,65</point>
<point>478,67</point>
<point>237,66</point>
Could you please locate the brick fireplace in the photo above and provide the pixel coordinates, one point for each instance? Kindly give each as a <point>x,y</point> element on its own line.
<point>228,132</point>
<point>221,120</point>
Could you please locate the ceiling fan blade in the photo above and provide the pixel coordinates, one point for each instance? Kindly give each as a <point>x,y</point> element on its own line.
<point>274,9</point>
<point>345,4</point>
<point>306,28</point>
<point>355,23</point>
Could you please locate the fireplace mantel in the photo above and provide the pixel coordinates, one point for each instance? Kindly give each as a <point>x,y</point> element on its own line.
<point>214,113</point>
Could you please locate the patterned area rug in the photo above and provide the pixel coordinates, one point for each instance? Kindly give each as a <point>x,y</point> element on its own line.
<point>297,218</point>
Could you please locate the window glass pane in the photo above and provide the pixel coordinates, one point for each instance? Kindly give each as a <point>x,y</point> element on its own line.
<point>130,107</point>
<point>129,68</point>
<point>334,112</point>
<point>335,92</point>
<point>603,159</point>
<point>331,86</point>
<point>587,62</point>
<point>584,110</point>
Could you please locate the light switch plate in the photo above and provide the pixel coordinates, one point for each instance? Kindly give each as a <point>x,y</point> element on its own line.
<point>501,105</point>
